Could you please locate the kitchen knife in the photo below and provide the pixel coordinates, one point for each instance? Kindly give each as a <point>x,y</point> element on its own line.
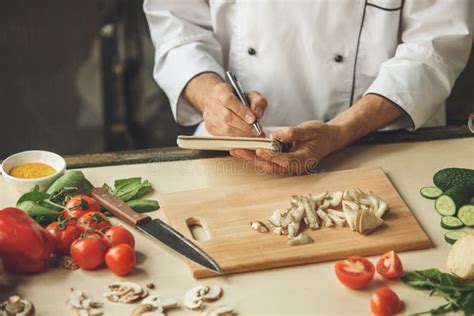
<point>156,229</point>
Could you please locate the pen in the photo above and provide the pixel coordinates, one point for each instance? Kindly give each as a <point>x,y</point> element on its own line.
<point>241,95</point>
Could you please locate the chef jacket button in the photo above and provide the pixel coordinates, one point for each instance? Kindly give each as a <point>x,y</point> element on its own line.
<point>339,58</point>
<point>251,51</point>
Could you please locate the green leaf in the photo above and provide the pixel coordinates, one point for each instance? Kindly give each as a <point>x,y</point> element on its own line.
<point>34,196</point>
<point>72,179</point>
<point>467,303</point>
<point>34,209</point>
<point>143,205</point>
<point>120,183</point>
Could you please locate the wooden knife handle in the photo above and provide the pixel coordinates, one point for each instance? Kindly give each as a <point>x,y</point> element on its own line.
<point>118,208</point>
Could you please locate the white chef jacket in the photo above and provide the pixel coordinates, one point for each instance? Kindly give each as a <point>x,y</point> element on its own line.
<point>312,59</point>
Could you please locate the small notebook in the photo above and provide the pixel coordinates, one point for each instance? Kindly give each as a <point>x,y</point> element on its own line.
<point>227,143</point>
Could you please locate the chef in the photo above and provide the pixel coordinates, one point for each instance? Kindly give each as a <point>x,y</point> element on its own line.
<point>327,72</point>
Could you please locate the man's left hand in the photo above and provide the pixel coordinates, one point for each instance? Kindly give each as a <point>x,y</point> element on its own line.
<point>311,141</point>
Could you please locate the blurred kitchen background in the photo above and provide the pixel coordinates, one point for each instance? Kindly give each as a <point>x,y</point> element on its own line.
<point>76,77</point>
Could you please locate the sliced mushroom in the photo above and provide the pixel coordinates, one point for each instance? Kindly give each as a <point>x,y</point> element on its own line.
<point>193,297</point>
<point>213,294</point>
<point>223,310</point>
<point>297,213</point>
<point>312,220</point>
<point>146,309</point>
<point>294,200</point>
<point>275,219</point>
<point>382,207</point>
<point>286,218</point>
<point>340,222</point>
<point>369,222</point>
<point>325,218</point>
<point>301,239</point>
<point>339,214</point>
<point>293,229</point>
<point>125,292</point>
<point>159,302</point>
<point>83,306</point>
<point>324,205</point>
<point>319,197</point>
<point>350,211</point>
<point>259,226</point>
<point>336,198</point>
<point>15,305</point>
<point>280,231</point>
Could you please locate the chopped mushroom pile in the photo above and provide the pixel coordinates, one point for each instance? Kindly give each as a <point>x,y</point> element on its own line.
<point>125,292</point>
<point>361,211</point>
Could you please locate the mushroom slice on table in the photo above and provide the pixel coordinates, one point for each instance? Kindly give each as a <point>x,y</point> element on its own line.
<point>259,226</point>
<point>325,205</point>
<point>382,205</point>
<point>280,231</point>
<point>125,292</point>
<point>193,297</point>
<point>83,306</point>
<point>15,305</point>
<point>214,293</point>
<point>222,310</point>
<point>154,305</point>
<point>332,212</point>
<point>301,239</point>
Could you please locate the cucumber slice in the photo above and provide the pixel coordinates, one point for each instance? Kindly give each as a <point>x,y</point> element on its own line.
<point>448,203</point>
<point>452,237</point>
<point>431,192</point>
<point>466,214</point>
<point>451,222</point>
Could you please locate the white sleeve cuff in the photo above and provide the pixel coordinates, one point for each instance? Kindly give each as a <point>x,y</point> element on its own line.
<point>178,67</point>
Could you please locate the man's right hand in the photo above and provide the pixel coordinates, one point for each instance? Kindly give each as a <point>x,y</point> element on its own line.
<point>223,113</point>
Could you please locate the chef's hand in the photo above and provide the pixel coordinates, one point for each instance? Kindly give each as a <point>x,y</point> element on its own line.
<point>223,113</point>
<point>312,141</point>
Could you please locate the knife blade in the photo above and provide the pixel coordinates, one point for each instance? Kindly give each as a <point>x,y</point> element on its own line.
<point>156,229</point>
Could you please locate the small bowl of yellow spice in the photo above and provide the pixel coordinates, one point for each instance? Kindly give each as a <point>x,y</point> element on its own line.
<point>34,167</point>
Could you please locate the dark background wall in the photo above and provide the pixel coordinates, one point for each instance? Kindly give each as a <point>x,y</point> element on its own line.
<point>56,84</point>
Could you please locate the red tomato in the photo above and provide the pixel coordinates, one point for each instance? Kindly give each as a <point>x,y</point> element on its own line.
<point>385,302</point>
<point>64,233</point>
<point>88,253</point>
<point>389,266</point>
<point>355,272</point>
<point>120,259</point>
<point>118,235</point>
<point>80,205</point>
<point>94,220</point>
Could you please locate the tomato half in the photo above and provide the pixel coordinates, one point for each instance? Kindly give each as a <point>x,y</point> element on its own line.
<point>385,302</point>
<point>64,233</point>
<point>118,235</point>
<point>80,205</point>
<point>355,272</point>
<point>94,220</point>
<point>120,259</point>
<point>88,253</point>
<point>390,266</point>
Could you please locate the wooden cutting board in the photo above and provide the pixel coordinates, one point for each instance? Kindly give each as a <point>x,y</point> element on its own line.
<point>225,213</point>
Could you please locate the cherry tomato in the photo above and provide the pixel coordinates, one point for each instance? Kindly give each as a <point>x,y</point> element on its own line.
<point>119,235</point>
<point>64,233</point>
<point>94,220</point>
<point>385,302</point>
<point>89,252</point>
<point>389,266</point>
<point>120,259</point>
<point>355,272</point>
<point>80,205</point>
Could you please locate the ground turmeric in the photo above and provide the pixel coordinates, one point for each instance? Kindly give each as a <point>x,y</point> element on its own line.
<point>32,170</point>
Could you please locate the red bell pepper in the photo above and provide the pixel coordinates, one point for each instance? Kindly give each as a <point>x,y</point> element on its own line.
<point>25,246</point>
